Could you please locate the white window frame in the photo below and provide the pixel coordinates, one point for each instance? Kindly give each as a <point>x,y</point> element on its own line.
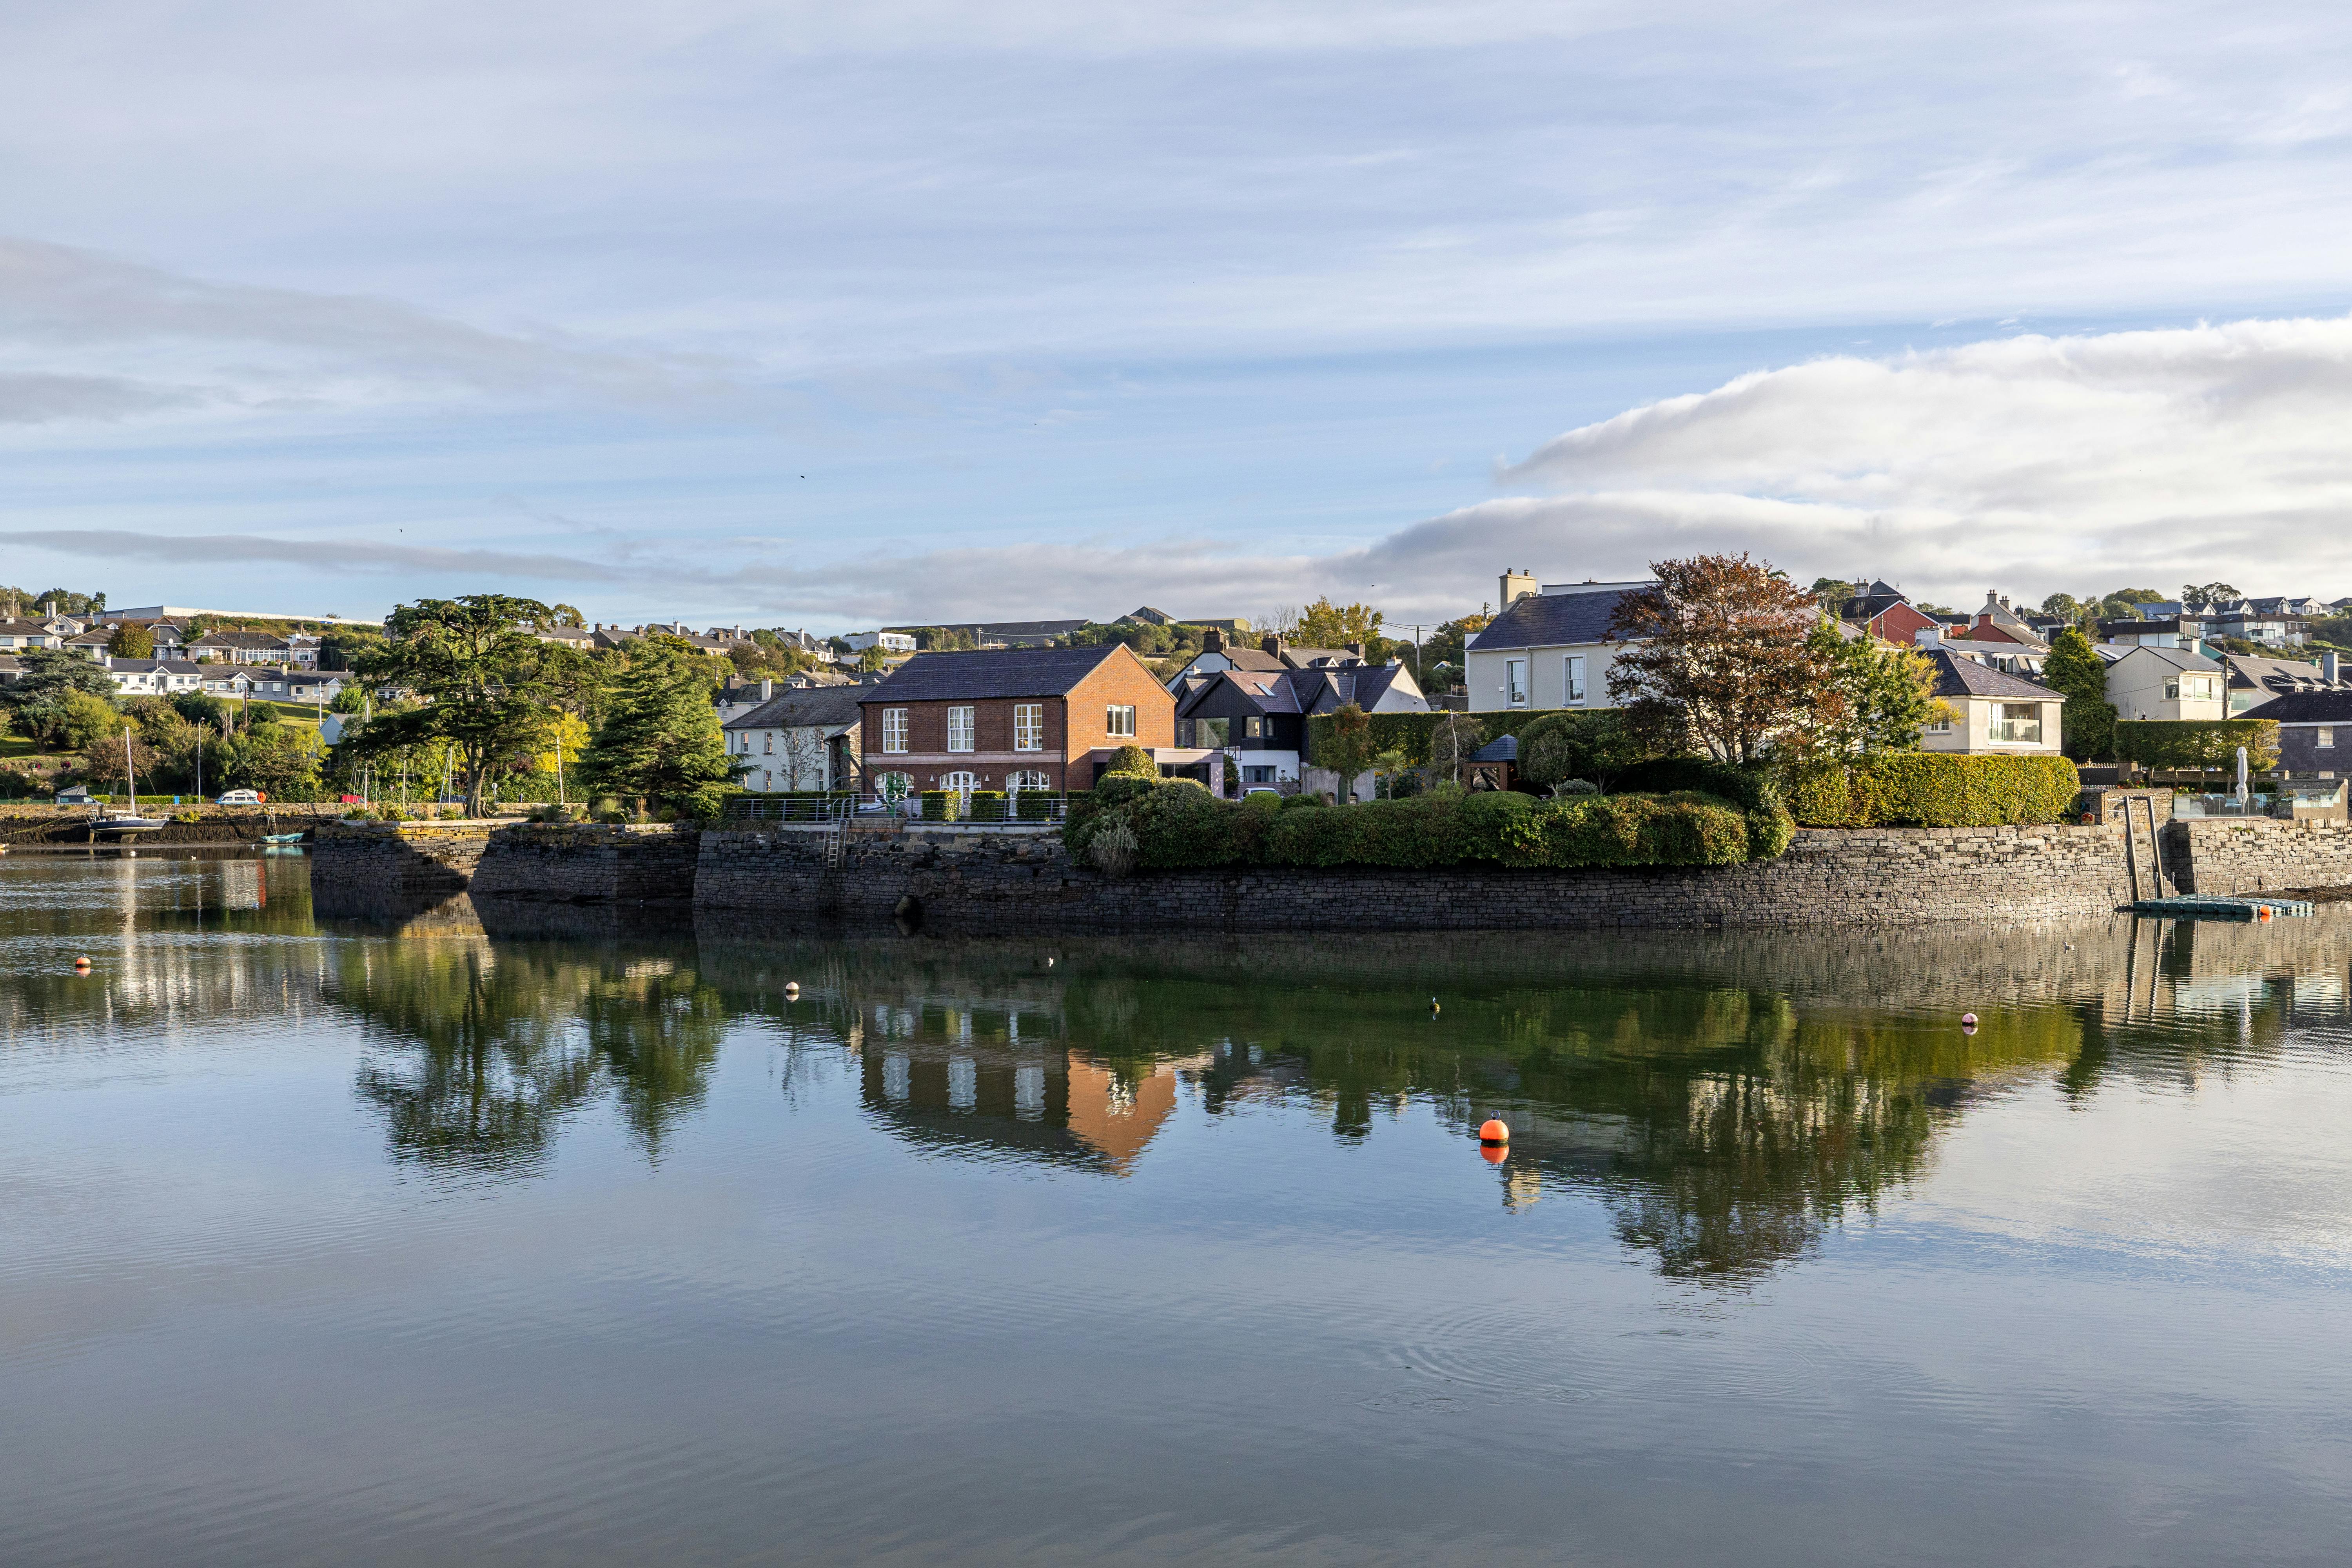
<point>961,784</point>
<point>894,732</point>
<point>1027,778</point>
<point>961,726</point>
<point>2004,724</point>
<point>1572,680</point>
<point>2324,738</point>
<point>1515,683</point>
<point>1028,726</point>
<point>1118,719</point>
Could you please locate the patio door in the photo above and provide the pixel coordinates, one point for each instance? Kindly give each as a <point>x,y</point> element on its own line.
<point>960,786</point>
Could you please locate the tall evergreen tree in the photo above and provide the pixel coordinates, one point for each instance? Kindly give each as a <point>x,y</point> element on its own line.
<point>484,674</point>
<point>660,739</point>
<point>2088,722</point>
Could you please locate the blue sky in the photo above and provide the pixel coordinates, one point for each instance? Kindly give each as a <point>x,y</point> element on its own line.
<point>827,315</point>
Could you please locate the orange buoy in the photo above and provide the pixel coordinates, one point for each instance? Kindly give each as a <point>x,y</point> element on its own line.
<point>1494,1131</point>
<point>2262,911</point>
<point>82,964</point>
<point>1494,1154</point>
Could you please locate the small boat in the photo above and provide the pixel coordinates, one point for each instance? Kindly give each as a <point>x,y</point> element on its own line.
<point>120,824</point>
<point>281,838</point>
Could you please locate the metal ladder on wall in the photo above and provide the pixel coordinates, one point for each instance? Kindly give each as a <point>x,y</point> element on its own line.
<point>2137,809</point>
<point>836,842</point>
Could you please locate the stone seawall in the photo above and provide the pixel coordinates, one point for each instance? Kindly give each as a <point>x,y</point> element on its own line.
<point>974,882</point>
<point>44,824</point>
<point>2216,856</point>
<point>398,857</point>
<point>588,864</point>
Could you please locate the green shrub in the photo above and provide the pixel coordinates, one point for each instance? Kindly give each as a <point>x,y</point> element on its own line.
<point>934,806</point>
<point>1933,789</point>
<point>986,806</point>
<point>1131,762</point>
<point>1033,806</point>
<point>2197,742</point>
<point>1177,824</point>
<point>1755,791</point>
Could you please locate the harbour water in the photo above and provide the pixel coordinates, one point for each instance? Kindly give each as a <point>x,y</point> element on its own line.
<point>438,1234</point>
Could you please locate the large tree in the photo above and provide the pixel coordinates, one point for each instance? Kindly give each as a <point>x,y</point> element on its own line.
<point>2088,722</point>
<point>481,675</point>
<point>35,700</point>
<point>1718,657</point>
<point>660,740</point>
<point>131,640</point>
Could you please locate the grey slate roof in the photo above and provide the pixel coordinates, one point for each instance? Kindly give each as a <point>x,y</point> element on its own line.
<point>2278,675</point>
<point>1957,677</point>
<point>2307,707</point>
<point>803,708</point>
<point>995,672</point>
<point>2182,658</point>
<point>1501,749</point>
<point>1546,620</point>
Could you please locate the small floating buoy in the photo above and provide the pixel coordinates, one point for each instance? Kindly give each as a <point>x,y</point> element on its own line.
<point>1433,1006</point>
<point>2262,911</point>
<point>1494,1154</point>
<point>791,989</point>
<point>1968,1020</point>
<point>1494,1131</point>
<point>82,964</point>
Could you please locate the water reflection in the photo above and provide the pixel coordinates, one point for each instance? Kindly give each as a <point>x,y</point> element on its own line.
<point>1728,1098</point>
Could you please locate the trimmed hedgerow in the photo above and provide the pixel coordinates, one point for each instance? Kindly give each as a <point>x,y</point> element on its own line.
<point>2182,743</point>
<point>1178,825</point>
<point>1933,789</point>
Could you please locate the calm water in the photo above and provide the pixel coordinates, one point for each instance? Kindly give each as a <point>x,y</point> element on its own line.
<point>374,1238</point>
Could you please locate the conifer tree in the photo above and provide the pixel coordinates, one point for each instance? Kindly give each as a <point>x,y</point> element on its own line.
<point>660,739</point>
<point>2088,722</point>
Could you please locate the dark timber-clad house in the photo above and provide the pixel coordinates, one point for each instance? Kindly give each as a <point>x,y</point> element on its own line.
<point>1012,718</point>
<point>2315,731</point>
<point>1259,717</point>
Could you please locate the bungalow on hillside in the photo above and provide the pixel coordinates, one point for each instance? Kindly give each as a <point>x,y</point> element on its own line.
<point>155,677</point>
<point>1014,719</point>
<point>2254,682</point>
<point>800,739</point>
<point>239,648</point>
<point>20,631</point>
<point>91,644</point>
<point>2166,683</point>
<point>2315,731</point>
<point>1549,649</point>
<point>1990,712</point>
<point>1258,718</point>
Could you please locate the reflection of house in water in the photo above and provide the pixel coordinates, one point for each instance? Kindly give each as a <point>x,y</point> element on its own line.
<point>984,1098</point>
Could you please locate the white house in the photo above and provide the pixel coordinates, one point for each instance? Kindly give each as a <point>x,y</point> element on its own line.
<point>1549,649</point>
<point>804,738</point>
<point>889,642</point>
<point>2152,682</point>
<point>154,677</point>
<point>1991,710</point>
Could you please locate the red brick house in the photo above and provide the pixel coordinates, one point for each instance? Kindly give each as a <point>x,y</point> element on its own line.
<point>1882,611</point>
<point>1021,718</point>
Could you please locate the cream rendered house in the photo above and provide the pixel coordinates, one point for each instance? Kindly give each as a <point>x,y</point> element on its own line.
<point>1991,710</point>
<point>1549,649</point>
<point>2167,683</point>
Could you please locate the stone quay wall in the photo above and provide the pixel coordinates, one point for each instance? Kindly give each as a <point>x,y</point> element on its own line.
<point>2219,855</point>
<point>398,856</point>
<point>584,863</point>
<point>45,822</point>
<point>978,882</point>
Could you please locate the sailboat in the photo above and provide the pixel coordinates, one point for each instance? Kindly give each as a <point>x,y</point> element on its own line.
<point>118,823</point>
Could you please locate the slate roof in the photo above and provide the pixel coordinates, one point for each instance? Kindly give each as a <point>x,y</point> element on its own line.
<point>1957,677</point>
<point>168,665</point>
<point>2308,708</point>
<point>1299,690</point>
<point>238,639</point>
<point>2279,675</point>
<point>991,673</point>
<point>1548,620</point>
<point>1501,749</point>
<point>803,708</point>
<point>2180,658</point>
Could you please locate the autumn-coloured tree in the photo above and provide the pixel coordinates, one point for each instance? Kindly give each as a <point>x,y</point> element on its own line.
<point>1719,656</point>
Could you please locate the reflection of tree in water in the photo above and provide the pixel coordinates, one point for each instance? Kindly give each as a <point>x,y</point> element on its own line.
<point>500,1044</point>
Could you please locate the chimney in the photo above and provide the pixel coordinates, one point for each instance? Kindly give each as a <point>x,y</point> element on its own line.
<point>1516,586</point>
<point>767,688</point>
<point>1930,638</point>
<point>1212,641</point>
<point>1272,644</point>
<point>2328,666</point>
<point>1356,648</point>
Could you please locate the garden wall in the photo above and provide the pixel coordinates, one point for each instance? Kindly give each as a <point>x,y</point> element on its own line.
<point>2217,856</point>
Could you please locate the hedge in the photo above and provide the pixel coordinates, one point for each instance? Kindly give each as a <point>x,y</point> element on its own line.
<point>1933,789</point>
<point>2197,742</point>
<point>1179,825</point>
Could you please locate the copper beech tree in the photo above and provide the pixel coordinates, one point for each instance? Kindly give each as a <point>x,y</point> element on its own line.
<point>1717,656</point>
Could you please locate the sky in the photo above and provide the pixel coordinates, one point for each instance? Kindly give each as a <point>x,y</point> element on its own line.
<point>832,316</point>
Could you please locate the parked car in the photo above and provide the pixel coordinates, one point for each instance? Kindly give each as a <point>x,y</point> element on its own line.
<point>241,797</point>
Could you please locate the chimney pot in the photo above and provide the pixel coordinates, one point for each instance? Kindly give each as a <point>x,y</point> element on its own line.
<point>767,688</point>
<point>1272,644</point>
<point>1212,641</point>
